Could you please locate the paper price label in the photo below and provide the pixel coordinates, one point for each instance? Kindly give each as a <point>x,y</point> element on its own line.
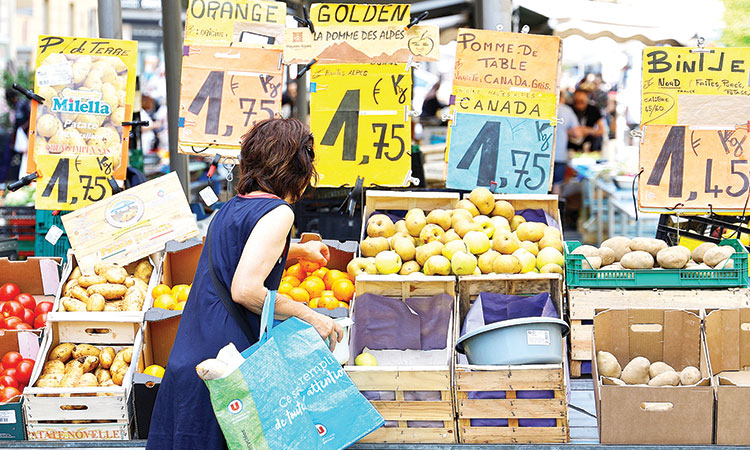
<point>225,90</point>
<point>68,183</point>
<point>53,234</point>
<point>358,113</point>
<point>514,153</point>
<point>694,169</point>
<point>8,417</point>
<point>235,21</point>
<point>54,74</point>
<point>208,195</point>
<point>538,337</point>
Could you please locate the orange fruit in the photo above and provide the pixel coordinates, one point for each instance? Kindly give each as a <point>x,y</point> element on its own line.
<point>332,304</point>
<point>314,302</point>
<point>294,281</point>
<point>285,287</point>
<point>181,292</point>
<point>180,306</point>
<point>343,305</point>
<point>299,294</point>
<point>161,290</point>
<point>165,301</point>
<point>343,289</point>
<point>314,286</point>
<point>327,292</point>
<point>332,276</point>
<point>309,266</point>
<point>296,271</point>
<point>320,273</point>
<point>324,301</point>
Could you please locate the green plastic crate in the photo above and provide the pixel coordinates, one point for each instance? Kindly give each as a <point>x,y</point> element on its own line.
<point>577,277</point>
<point>45,220</point>
<point>44,248</point>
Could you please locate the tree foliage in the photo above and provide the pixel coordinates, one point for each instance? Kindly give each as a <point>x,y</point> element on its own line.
<point>737,26</point>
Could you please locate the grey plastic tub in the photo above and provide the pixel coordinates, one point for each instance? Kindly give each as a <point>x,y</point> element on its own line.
<point>529,340</point>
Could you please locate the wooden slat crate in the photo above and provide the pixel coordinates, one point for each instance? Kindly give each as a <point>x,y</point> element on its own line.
<point>402,379</point>
<point>511,380</point>
<point>583,304</point>
<point>546,202</point>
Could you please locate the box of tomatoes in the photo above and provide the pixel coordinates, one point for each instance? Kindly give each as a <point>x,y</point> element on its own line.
<point>27,292</point>
<point>18,352</point>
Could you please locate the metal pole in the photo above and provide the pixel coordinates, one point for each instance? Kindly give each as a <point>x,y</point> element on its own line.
<point>495,12</point>
<point>109,14</point>
<point>302,103</point>
<point>171,13</point>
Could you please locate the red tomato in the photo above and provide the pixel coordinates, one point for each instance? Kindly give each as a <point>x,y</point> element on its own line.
<point>12,372</point>
<point>12,308</point>
<point>43,307</point>
<point>26,300</point>
<point>7,380</point>
<point>9,323</point>
<point>23,371</point>
<point>28,316</point>
<point>8,291</point>
<point>8,393</point>
<point>11,360</point>
<point>40,321</point>
<point>23,326</point>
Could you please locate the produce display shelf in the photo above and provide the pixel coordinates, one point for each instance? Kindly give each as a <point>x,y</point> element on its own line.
<point>576,276</point>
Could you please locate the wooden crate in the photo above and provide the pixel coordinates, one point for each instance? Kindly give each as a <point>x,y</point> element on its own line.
<point>402,379</point>
<point>583,304</point>
<point>79,413</point>
<point>509,379</point>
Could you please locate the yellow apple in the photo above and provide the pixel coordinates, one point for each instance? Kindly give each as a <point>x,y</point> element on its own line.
<point>483,199</point>
<point>486,260</point>
<point>506,264</point>
<point>454,246</point>
<point>477,241</point>
<point>440,217</point>
<point>371,246</point>
<point>380,225</point>
<point>458,215</point>
<point>503,209</point>
<point>469,206</point>
<point>437,265</point>
<point>388,262</point>
<point>463,263</point>
<point>431,232</point>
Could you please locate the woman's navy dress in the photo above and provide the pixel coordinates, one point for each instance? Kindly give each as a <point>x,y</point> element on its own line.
<point>183,417</point>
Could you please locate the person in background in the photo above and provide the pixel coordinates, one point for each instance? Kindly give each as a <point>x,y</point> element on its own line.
<point>591,121</point>
<point>288,100</point>
<point>20,113</point>
<point>567,129</point>
<point>431,106</point>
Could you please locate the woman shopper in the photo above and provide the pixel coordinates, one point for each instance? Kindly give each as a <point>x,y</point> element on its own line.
<point>249,245</point>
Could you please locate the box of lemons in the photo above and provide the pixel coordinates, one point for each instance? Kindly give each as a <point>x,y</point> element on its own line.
<point>173,298</point>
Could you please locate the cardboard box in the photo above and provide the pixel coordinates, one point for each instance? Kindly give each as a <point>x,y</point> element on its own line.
<point>680,415</point>
<point>728,341</point>
<point>39,277</point>
<point>11,415</point>
<point>181,262</point>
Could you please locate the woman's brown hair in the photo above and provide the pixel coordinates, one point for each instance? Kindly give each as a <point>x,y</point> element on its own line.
<point>277,157</point>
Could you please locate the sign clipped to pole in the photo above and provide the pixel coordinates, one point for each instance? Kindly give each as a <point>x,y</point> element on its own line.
<point>244,22</point>
<point>77,139</point>
<point>503,111</point>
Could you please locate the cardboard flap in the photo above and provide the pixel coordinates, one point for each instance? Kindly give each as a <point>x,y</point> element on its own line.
<point>739,378</point>
<point>50,272</point>
<point>36,276</point>
<point>728,339</point>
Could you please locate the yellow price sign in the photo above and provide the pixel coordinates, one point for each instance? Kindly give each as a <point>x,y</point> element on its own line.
<point>686,86</point>
<point>359,115</point>
<point>68,183</point>
<point>530,105</point>
<point>253,22</point>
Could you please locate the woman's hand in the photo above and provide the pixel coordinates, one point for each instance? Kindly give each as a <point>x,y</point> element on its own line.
<point>316,251</point>
<point>327,328</point>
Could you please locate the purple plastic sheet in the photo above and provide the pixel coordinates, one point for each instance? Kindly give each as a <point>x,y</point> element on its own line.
<point>490,308</point>
<point>384,323</point>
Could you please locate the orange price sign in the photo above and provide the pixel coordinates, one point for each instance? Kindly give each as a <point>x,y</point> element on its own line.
<point>693,169</point>
<point>225,90</point>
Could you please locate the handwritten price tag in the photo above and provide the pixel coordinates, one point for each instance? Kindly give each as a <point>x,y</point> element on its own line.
<point>513,152</point>
<point>693,169</point>
<point>225,90</point>
<point>244,21</point>
<point>358,113</point>
<point>69,183</point>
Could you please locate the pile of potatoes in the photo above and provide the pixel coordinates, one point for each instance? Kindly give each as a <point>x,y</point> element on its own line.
<point>640,371</point>
<point>110,288</point>
<point>84,365</point>
<point>620,253</point>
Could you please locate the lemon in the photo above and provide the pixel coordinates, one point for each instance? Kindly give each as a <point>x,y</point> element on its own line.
<point>154,370</point>
<point>179,306</point>
<point>165,301</point>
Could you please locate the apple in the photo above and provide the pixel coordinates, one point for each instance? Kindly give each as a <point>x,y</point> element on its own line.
<point>501,223</point>
<point>530,231</point>
<point>420,46</point>
<point>361,266</point>
<point>516,221</point>
<point>551,241</point>
<point>424,252</point>
<point>431,232</point>
<point>505,242</point>
<point>549,255</point>
<point>437,265</point>
<point>552,232</point>
<point>458,215</point>
<point>488,227</point>
<point>440,217</point>
<point>454,246</point>
<point>449,236</point>
<point>371,246</point>
<point>464,226</point>
<point>400,227</point>
<point>392,240</point>
<point>506,264</point>
<point>463,263</point>
<point>409,267</point>
<point>405,249</point>
<point>483,199</point>
<point>486,260</point>
<point>503,209</point>
<point>531,247</point>
<point>388,262</point>
<point>477,271</point>
<point>528,261</point>
<point>365,359</point>
<point>469,206</point>
<point>477,241</point>
<point>551,268</point>
<point>380,225</point>
<point>415,221</point>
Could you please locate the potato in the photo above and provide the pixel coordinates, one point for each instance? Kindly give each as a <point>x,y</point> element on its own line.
<point>701,266</point>
<point>100,267</point>
<point>113,306</point>
<point>608,365</point>
<point>106,356</point>
<point>607,255</point>
<point>68,287</point>
<point>636,372</point>
<point>143,271</point>
<point>659,368</point>
<point>81,69</point>
<point>79,293</point>
<point>618,382</point>
<point>96,303</point>
<point>48,125</point>
<point>120,365</point>
<point>116,275</point>
<point>62,352</point>
<point>109,136</point>
<point>619,244</point>
<point>586,250</point>
<point>73,373</point>
<point>637,260</point>
<point>102,375</point>
<point>726,264</point>
<point>89,280</point>
<point>615,266</point>
<point>672,258</point>
<point>701,250</point>
<point>647,245</point>
<point>88,380</point>
<point>690,375</point>
<point>592,262</point>
<point>670,378</point>
<point>106,383</point>
<point>84,350</point>
<point>90,363</point>
<point>714,256</point>
<point>51,380</point>
<point>134,299</point>
<point>72,304</point>
<point>109,291</point>
<point>53,367</point>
